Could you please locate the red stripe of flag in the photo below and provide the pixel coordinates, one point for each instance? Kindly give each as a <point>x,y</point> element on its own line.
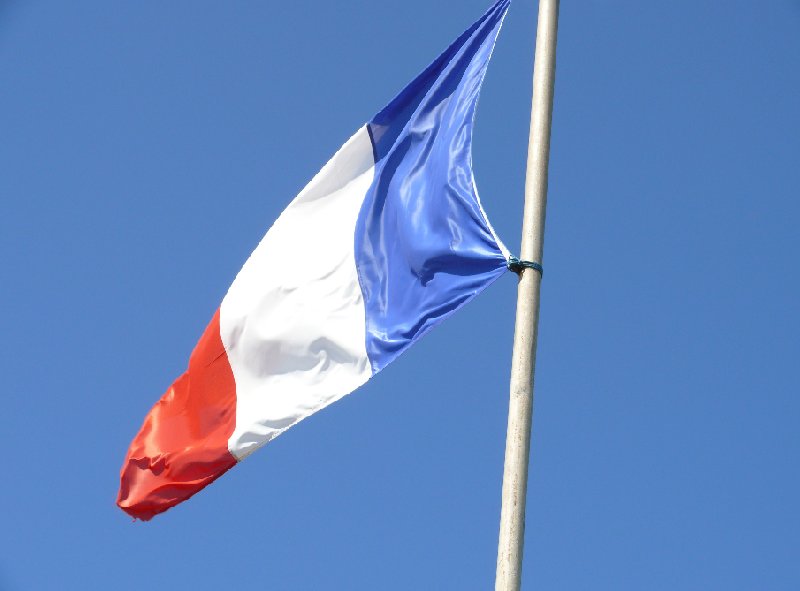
<point>183,445</point>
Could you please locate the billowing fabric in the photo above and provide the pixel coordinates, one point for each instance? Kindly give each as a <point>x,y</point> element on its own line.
<point>183,444</point>
<point>295,332</point>
<point>423,244</point>
<point>392,240</point>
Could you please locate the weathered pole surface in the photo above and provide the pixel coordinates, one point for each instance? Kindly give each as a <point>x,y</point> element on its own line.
<point>518,438</point>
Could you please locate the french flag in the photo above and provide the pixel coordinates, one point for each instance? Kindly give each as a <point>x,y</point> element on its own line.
<point>383,244</point>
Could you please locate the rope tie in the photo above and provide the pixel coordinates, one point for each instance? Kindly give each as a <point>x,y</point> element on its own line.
<point>517,266</point>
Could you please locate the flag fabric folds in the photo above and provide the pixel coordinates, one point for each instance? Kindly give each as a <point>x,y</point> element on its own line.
<point>384,243</point>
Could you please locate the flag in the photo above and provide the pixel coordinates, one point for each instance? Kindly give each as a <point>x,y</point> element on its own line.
<point>386,241</point>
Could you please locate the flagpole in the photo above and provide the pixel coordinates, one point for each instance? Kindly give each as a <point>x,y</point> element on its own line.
<point>518,437</point>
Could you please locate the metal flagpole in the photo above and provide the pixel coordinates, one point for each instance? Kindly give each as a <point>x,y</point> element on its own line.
<point>518,438</point>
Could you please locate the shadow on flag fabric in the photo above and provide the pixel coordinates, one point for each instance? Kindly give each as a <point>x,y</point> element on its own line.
<point>383,244</point>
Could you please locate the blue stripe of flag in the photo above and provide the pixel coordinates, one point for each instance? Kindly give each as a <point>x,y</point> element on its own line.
<point>423,246</point>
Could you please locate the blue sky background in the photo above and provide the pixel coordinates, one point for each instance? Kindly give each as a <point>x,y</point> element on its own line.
<point>146,147</point>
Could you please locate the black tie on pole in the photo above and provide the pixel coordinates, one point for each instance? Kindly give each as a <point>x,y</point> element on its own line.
<point>517,266</point>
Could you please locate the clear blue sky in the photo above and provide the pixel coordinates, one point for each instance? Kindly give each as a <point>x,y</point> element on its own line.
<point>147,146</point>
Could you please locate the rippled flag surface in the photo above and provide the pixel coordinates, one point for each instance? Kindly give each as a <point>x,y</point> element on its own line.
<point>384,243</point>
